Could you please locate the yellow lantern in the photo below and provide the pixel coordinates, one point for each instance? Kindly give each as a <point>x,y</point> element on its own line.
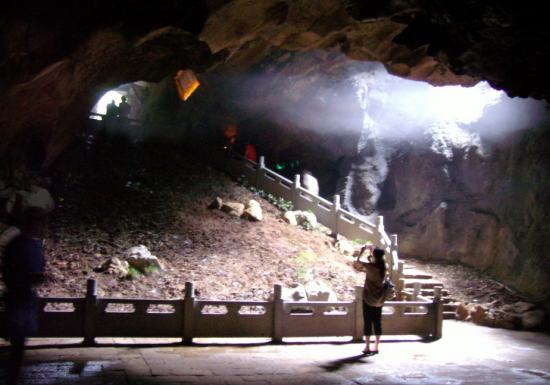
<point>187,83</point>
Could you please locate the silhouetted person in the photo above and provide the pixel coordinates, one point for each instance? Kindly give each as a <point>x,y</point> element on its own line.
<point>373,294</point>
<point>111,110</point>
<point>110,116</point>
<point>124,108</point>
<point>22,271</point>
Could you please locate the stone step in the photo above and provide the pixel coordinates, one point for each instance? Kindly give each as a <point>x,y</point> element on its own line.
<point>430,292</point>
<point>449,307</point>
<point>415,274</point>
<point>425,283</point>
<point>449,315</point>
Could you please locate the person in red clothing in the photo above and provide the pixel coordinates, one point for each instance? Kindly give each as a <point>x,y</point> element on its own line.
<point>250,152</point>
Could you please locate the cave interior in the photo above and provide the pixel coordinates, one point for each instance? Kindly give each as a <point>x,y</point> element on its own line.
<point>430,113</point>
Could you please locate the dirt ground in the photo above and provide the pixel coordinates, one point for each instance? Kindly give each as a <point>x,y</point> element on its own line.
<point>110,200</point>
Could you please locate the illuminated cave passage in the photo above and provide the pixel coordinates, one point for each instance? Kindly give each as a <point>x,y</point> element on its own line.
<point>369,101</point>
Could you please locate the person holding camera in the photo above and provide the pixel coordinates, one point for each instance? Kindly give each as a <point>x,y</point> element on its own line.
<point>373,293</point>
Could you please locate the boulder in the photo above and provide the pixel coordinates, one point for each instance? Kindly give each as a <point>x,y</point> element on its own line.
<point>140,258</point>
<point>463,311</point>
<point>495,319</point>
<point>478,315</point>
<point>114,266</point>
<point>216,204</point>
<point>36,198</point>
<point>232,208</point>
<point>290,218</point>
<point>306,216</point>
<point>295,294</point>
<point>253,211</point>
<point>7,234</point>
<point>532,320</point>
<point>522,307</point>
<point>345,247</point>
<point>316,291</point>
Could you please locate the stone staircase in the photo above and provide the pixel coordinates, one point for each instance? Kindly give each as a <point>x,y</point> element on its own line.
<point>427,284</point>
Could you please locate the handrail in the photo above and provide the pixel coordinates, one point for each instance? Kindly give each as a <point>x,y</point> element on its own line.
<point>90,319</point>
<point>330,214</point>
<point>117,117</point>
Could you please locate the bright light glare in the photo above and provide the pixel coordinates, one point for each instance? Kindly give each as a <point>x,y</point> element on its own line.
<point>461,104</point>
<point>101,106</point>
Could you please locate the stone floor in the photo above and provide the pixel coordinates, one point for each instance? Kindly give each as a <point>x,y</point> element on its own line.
<point>467,354</point>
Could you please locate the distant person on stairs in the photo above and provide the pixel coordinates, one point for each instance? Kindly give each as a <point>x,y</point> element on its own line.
<point>309,182</point>
<point>250,152</point>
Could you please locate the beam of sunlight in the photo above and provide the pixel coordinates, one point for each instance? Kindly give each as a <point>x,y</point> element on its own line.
<point>461,104</point>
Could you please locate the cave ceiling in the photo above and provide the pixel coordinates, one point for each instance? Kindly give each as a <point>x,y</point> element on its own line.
<point>57,58</point>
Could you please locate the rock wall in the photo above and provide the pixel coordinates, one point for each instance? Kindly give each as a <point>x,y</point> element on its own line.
<point>453,184</point>
<point>487,211</point>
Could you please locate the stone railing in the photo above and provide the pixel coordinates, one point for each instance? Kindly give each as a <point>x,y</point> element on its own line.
<point>329,214</point>
<point>92,317</point>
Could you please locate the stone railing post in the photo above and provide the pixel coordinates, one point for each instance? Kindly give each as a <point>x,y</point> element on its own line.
<point>400,280</point>
<point>394,246</point>
<point>417,287</point>
<point>90,312</point>
<point>189,313</point>
<point>259,173</point>
<point>392,259</point>
<point>400,311</point>
<point>278,315</point>
<point>438,316</point>
<point>379,231</point>
<point>335,210</point>
<point>296,191</point>
<point>358,332</point>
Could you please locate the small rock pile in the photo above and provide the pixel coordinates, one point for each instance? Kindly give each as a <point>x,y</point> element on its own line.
<point>518,316</point>
<point>250,211</point>
<point>138,258</point>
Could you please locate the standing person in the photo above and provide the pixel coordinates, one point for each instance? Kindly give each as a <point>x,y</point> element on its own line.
<point>22,271</point>
<point>373,294</point>
<point>110,117</point>
<point>250,152</point>
<point>309,182</point>
<point>124,108</point>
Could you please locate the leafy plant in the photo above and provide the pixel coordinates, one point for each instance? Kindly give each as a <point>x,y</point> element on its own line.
<point>284,206</point>
<point>258,192</point>
<point>307,225</point>
<point>302,272</point>
<point>133,273</point>
<point>361,242</point>
<point>150,270</point>
<point>304,255</point>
